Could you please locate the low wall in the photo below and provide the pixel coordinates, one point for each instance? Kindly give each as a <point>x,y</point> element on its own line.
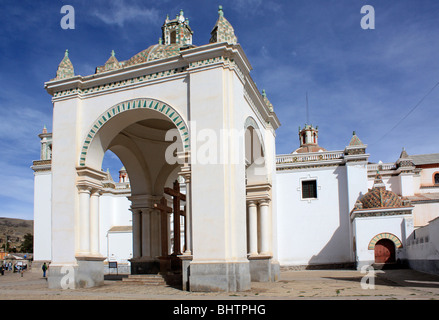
<point>423,248</point>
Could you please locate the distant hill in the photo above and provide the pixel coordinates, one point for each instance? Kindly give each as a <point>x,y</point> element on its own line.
<point>14,229</point>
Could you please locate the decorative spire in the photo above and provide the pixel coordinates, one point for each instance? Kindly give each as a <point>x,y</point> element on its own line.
<point>378,181</point>
<point>266,101</point>
<point>223,30</point>
<point>405,161</point>
<point>181,17</point>
<point>355,141</point>
<point>65,68</point>
<point>403,154</point>
<point>44,129</point>
<point>220,11</point>
<point>111,64</point>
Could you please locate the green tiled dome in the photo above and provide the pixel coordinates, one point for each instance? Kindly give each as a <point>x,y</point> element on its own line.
<point>154,52</point>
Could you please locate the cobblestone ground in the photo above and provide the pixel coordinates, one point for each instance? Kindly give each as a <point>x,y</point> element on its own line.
<point>316,284</point>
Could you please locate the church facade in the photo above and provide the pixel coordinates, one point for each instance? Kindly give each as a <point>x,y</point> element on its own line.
<point>202,193</point>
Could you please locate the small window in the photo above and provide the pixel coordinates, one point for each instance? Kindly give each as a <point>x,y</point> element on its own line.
<point>173,37</point>
<point>309,189</point>
<point>436,178</point>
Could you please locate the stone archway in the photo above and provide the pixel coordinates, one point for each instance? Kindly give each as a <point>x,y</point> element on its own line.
<point>384,246</point>
<point>137,132</point>
<point>384,235</point>
<point>125,107</point>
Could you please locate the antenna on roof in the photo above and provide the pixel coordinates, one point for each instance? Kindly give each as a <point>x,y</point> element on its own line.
<point>307,109</point>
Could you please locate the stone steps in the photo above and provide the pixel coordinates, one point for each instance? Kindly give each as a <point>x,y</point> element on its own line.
<point>145,279</point>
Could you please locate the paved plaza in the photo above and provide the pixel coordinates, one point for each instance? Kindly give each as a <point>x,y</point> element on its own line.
<point>404,284</point>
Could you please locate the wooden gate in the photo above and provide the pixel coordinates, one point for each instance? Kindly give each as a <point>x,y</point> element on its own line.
<point>384,251</point>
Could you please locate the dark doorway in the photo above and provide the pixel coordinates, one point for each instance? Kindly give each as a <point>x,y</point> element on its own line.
<point>385,251</point>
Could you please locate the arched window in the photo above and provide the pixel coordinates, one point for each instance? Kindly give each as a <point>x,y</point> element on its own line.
<point>173,37</point>
<point>436,178</point>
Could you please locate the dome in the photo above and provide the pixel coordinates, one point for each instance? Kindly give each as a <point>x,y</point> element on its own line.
<point>154,52</point>
<point>309,148</point>
<point>379,197</point>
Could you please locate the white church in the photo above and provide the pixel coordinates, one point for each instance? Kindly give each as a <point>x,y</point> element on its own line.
<point>202,195</point>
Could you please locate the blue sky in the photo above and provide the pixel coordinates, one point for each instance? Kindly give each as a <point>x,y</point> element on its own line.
<point>370,81</point>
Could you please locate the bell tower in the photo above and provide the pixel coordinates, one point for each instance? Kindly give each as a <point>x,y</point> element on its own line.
<point>177,31</point>
<point>308,136</point>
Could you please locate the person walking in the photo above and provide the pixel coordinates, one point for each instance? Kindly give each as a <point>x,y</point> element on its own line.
<point>44,268</point>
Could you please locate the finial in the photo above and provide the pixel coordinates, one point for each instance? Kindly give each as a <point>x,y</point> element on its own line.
<point>160,41</point>
<point>66,54</point>
<point>44,129</point>
<point>353,133</point>
<point>220,10</point>
<point>112,53</point>
<point>180,17</point>
<point>263,93</point>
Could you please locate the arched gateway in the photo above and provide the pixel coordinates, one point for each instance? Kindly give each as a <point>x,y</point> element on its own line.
<point>171,110</point>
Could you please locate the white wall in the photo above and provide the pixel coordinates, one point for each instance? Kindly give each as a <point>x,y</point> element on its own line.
<point>42,216</point>
<point>425,212</point>
<point>392,183</point>
<point>423,248</point>
<point>315,231</point>
<point>118,242</point>
<point>367,228</point>
<point>113,211</point>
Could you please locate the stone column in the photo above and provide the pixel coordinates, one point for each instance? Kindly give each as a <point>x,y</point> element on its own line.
<point>84,219</point>
<point>265,226</point>
<point>253,228</point>
<point>137,233</point>
<point>155,232</point>
<point>94,222</point>
<point>146,234</point>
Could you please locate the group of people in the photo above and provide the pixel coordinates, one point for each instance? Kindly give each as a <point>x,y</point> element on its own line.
<point>8,266</point>
<point>5,267</point>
